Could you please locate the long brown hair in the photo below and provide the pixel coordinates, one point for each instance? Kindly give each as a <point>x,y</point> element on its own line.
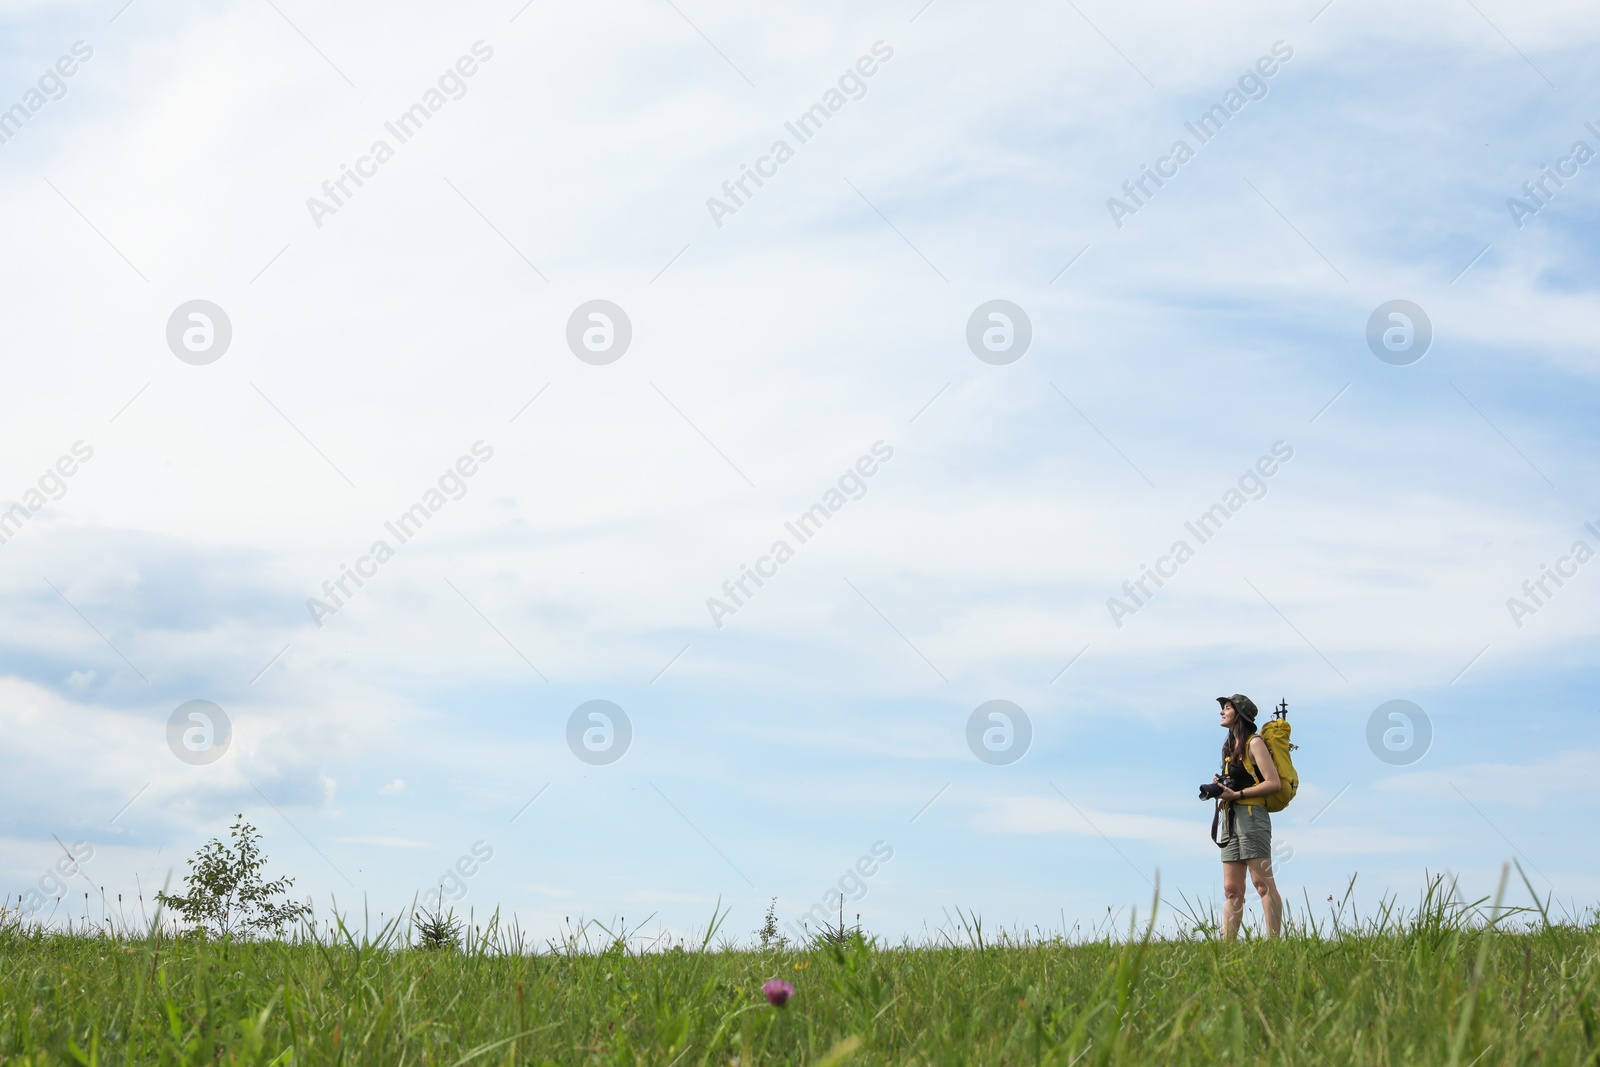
<point>1238,742</point>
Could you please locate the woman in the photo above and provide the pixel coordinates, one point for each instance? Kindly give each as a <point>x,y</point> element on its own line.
<point>1248,841</point>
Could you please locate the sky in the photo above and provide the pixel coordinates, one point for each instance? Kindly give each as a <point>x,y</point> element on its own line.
<point>1353,323</point>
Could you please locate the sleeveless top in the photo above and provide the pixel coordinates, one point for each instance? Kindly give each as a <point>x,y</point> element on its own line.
<point>1248,765</point>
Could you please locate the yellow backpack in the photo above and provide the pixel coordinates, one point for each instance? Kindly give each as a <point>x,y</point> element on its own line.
<point>1276,735</point>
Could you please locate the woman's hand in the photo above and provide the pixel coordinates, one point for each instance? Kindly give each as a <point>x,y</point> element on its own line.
<point>1231,794</point>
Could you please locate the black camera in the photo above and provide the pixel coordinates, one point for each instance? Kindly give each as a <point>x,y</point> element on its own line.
<point>1237,781</point>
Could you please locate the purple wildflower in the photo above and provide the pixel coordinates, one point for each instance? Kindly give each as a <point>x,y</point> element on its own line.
<point>778,991</point>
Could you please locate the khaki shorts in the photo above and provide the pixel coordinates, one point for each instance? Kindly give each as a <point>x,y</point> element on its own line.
<point>1252,834</point>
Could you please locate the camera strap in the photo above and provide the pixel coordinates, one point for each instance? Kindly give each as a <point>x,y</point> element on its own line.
<point>1216,816</point>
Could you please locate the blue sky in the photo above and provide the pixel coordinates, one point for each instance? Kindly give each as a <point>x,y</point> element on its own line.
<point>769,354</point>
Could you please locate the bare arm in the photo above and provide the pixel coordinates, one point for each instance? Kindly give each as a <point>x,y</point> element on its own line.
<point>1270,782</point>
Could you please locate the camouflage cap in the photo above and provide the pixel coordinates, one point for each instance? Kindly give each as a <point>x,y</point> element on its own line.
<point>1243,705</point>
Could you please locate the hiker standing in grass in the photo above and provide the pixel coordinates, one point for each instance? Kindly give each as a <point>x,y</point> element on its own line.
<point>1247,837</point>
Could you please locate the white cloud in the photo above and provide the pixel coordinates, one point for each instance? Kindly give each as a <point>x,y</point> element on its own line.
<point>384,842</point>
<point>1045,815</point>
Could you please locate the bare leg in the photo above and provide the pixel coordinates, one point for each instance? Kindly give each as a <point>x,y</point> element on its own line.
<point>1271,902</point>
<point>1232,897</point>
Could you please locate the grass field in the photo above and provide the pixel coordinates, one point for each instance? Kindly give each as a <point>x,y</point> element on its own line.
<point>1439,983</point>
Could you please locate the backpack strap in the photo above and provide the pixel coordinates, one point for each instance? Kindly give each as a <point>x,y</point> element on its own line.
<point>1249,759</point>
<point>1216,816</point>
<point>1249,763</point>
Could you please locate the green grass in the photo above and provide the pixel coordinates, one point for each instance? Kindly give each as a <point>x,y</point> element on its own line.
<point>1442,983</point>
